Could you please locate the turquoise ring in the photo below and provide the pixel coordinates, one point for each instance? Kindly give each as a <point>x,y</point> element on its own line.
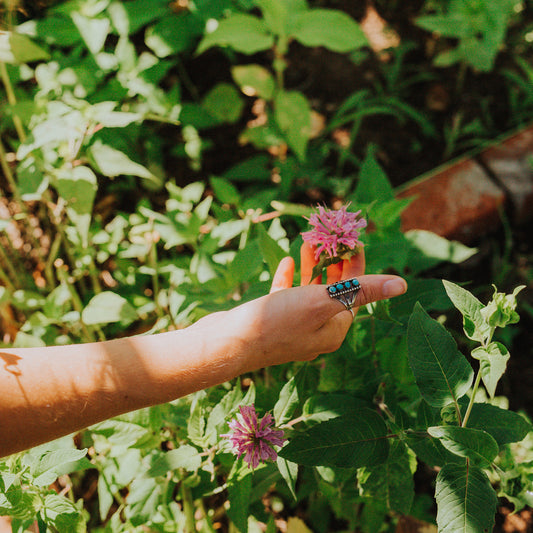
<point>345,291</point>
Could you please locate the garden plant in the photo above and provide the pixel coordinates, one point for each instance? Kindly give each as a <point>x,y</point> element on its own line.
<point>160,158</point>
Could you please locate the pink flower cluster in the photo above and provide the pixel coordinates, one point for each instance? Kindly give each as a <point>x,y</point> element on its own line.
<point>253,437</point>
<point>333,229</point>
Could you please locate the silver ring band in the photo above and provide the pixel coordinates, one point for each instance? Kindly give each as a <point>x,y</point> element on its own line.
<point>345,292</point>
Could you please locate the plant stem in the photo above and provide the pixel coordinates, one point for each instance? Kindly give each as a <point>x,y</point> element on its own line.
<point>188,508</point>
<point>152,260</point>
<point>12,270</point>
<point>471,403</point>
<point>12,99</point>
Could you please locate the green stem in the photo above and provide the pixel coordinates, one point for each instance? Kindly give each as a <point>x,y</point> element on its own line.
<point>12,99</point>
<point>62,274</point>
<point>152,261</point>
<point>188,508</point>
<point>471,403</point>
<point>5,278</point>
<point>5,259</point>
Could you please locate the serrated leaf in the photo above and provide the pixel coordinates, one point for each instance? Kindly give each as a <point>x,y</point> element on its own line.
<point>46,468</point>
<point>475,326</point>
<point>239,495</point>
<point>442,373</point>
<point>391,482</point>
<point>466,501</point>
<point>346,442</point>
<point>373,183</point>
<point>330,28</point>
<point>107,307</point>
<point>270,250</point>
<point>244,33</point>
<point>492,364</point>
<point>505,426</point>
<point>474,444</point>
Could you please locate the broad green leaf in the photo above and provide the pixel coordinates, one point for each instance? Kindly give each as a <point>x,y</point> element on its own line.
<point>197,423</point>
<point>225,191</point>
<point>173,33</point>
<point>107,307</point>
<point>438,248</point>
<point>31,180</point>
<point>78,188</point>
<point>63,515</point>
<point>475,326</point>
<point>47,466</point>
<point>466,501</point>
<point>94,31</point>
<point>221,412</point>
<point>16,48</point>
<point>332,405</point>
<point>254,80</point>
<point>492,364</point>
<point>270,250</point>
<point>275,14</point>
<point>293,117</point>
<point>442,373</point>
<point>112,162</point>
<point>505,426</point>
<point>373,184</point>
<point>240,496</point>
<point>244,33</point>
<point>186,457</point>
<point>142,500</point>
<point>391,482</point>
<point>475,444</point>
<point>289,472</point>
<point>224,103</point>
<point>330,28</point>
<point>346,442</point>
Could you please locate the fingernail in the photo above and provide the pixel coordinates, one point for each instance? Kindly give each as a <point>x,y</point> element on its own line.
<point>394,287</point>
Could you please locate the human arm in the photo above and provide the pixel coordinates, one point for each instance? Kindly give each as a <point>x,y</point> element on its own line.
<point>53,391</point>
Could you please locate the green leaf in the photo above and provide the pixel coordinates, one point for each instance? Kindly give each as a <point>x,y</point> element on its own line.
<point>275,14</point>
<point>475,326</point>
<point>16,48</point>
<point>346,442</point>
<point>239,495</point>
<point>94,31</point>
<point>289,472</point>
<point>254,80</point>
<point>293,394</point>
<point>492,364</point>
<point>78,186</point>
<point>31,180</point>
<point>107,307</point>
<point>173,33</point>
<point>442,373</point>
<point>293,117</point>
<point>186,457</point>
<point>243,33</point>
<point>505,426</point>
<point>224,103</point>
<point>332,29</point>
<point>475,444</point>
<point>391,482</point>
<point>466,501</point>
<point>143,499</point>
<point>112,162</point>
<point>225,191</point>
<point>270,250</point>
<point>373,184</point>
<point>62,515</point>
<point>47,466</point>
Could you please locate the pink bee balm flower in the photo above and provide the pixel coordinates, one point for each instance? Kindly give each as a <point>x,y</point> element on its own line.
<point>253,437</point>
<point>334,230</point>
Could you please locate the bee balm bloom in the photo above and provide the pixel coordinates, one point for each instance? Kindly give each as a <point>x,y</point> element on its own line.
<point>254,438</point>
<point>334,232</point>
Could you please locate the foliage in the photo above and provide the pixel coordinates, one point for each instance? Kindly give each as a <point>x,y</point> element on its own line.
<point>101,111</point>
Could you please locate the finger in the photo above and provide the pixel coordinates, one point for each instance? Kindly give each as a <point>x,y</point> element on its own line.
<point>355,266</point>
<point>284,275</point>
<point>308,261</point>
<point>374,287</point>
<point>334,272</point>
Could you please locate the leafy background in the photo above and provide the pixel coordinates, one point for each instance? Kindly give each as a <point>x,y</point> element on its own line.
<point>157,160</point>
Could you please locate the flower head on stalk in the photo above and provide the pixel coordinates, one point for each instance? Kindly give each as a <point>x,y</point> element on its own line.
<point>254,438</point>
<point>335,235</point>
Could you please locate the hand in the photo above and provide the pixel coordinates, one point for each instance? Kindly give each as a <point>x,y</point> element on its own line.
<point>297,323</point>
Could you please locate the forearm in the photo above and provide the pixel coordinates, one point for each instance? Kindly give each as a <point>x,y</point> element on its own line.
<point>55,391</point>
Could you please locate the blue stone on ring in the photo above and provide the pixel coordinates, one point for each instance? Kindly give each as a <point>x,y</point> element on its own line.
<point>347,284</point>
<point>340,286</point>
<point>332,290</point>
